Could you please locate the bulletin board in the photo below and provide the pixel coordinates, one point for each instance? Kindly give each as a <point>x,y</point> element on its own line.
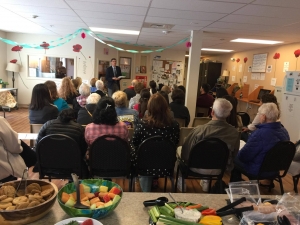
<point>259,63</point>
<point>167,72</point>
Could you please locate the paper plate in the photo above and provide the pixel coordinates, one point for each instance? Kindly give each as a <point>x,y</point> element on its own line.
<point>79,220</point>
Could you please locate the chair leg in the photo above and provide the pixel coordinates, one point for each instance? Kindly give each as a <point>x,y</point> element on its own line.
<point>183,191</point>
<point>281,185</point>
<point>130,184</point>
<point>172,183</point>
<point>295,181</point>
<point>165,187</point>
<point>209,187</point>
<point>270,186</point>
<point>176,181</point>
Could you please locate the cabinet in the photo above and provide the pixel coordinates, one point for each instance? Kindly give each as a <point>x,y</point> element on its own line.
<point>209,73</point>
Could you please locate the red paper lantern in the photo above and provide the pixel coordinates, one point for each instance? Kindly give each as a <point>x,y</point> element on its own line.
<point>83,35</point>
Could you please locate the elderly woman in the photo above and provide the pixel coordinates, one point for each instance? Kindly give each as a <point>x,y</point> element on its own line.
<point>60,103</point>
<point>100,88</point>
<point>105,121</point>
<point>84,91</point>
<point>268,133</point>
<point>158,122</point>
<point>177,106</point>
<point>134,100</point>
<point>85,114</point>
<point>120,99</point>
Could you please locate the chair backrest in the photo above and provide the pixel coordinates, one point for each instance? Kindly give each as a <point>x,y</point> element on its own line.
<point>200,121</point>
<point>58,156</point>
<point>156,153</point>
<point>201,110</point>
<point>184,132</point>
<point>210,153</point>
<point>70,106</point>
<point>109,156</point>
<point>181,122</point>
<point>245,118</point>
<point>130,133</point>
<point>279,158</point>
<point>34,128</point>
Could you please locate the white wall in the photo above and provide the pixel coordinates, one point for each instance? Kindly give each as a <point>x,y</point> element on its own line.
<point>3,59</point>
<point>83,67</point>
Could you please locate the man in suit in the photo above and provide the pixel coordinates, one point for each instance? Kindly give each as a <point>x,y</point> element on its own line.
<point>112,77</point>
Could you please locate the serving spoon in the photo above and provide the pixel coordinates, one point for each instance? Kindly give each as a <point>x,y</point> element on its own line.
<point>176,202</point>
<point>78,205</point>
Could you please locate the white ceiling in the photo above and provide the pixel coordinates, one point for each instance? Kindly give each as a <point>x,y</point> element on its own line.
<point>221,20</point>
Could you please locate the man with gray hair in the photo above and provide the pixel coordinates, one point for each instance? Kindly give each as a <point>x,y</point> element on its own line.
<point>130,90</point>
<point>216,128</point>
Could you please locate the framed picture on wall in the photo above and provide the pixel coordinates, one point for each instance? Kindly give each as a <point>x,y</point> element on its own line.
<point>125,65</point>
<point>143,69</point>
<point>102,66</point>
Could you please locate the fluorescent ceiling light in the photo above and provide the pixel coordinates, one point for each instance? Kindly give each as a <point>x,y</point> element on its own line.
<point>255,41</point>
<point>187,55</point>
<point>115,31</point>
<point>216,50</point>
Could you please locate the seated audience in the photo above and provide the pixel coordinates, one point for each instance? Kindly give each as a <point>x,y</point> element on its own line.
<point>130,90</point>
<point>105,121</point>
<point>85,114</point>
<point>84,91</point>
<point>41,108</point>
<point>268,133</point>
<point>158,122</point>
<point>67,90</point>
<point>234,119</point>
<point>15,155</point>
<point>134,100</point>
<point>168,91</point>
<point>100,88</point>
<point>60,103</point>
<point>221,91</point>
<point>93,85</point>
<point>181,87</point>
<point>129,116</point>
<point>141,107</point>
<point>205,100</point>
<point>152,85</point>
<point>177,106</point>
<point>216,128</point>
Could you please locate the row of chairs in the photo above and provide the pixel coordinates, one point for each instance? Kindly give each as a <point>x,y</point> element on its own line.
<point>110,157</point>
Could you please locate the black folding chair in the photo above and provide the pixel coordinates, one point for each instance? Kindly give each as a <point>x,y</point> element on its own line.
<point>109,156</point>
<point>208,154</point>
<point>156,153</point>
<point>245,118</point>
<point>276,162</point>
<point>58,156</point>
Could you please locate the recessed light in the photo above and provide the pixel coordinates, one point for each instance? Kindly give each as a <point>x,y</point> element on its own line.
<point>187,55</point>
<point>115,31</point>
<point>216,50</point>
<point>256,41</point>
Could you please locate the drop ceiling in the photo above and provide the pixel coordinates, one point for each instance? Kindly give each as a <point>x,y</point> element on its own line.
<point>220,20</point>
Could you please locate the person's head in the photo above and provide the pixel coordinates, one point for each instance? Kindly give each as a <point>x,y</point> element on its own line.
<point>120,99</point>
<point>40,97</point>
<point>165,95</point>
<point>93,82</point>
<point>84,90</point>
<point>138,87</point>
<point>99,85</point>
<point>134,82</point>
<point>159,114</point>
<point>178,96</point>
<point>220,92</point>
<point>166,89</point>
<point>113,62</point>
<point>60,64</point>
<point>67,88</point>
<point>93,98</point>
<point>52,88</point>
<point>152,84</point>
<point>221,109</point>
<point>204,88</point>
<point>105,112</point>
<point>266,98</point>
<point>75,83</point>
<point>268,113</point>
<point>145,96</point>
<point>67,115</point>
<point>79,81</point>
<point>174,86</point>
<point>160,85</point>
<point>232,118</point>
<point>181,87</point>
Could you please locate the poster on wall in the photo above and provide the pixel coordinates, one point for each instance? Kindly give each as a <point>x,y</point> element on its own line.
<point>102,66</point>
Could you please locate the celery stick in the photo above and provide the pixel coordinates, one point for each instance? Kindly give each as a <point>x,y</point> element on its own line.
<point>153,218</point>
<point>172,210</point>
<point>173,221</point>
<point>186,204</point>
<point>156,211</point>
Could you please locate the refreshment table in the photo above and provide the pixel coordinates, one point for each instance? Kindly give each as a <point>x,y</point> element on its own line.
<point>131,210</point>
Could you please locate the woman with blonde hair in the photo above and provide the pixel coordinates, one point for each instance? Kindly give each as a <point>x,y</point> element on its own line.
<point>67,90</point>
<point>60,103</point>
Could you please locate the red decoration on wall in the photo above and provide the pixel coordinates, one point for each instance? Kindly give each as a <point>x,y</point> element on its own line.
<point>245,59</point>
<point>83,35</point>
<point>297,53</point>
<point>16,48</point>
<point>13,61</point>
<point>77,48</point>
<point>188,44</point>
<point>45,45</point>
<point>276,55</point>
<point>237,60</point>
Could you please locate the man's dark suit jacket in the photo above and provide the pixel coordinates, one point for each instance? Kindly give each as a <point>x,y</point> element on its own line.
<point>110,74</point>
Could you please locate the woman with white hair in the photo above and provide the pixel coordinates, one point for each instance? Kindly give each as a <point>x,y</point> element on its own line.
<point>100,88</point>
<point>84,91</point>
<point>268,133</point>
<point>85,114</point>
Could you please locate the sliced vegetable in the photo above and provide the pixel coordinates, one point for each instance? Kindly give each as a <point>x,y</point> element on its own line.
<point>194,207</point>
<point>202,208</point>
<point>88,222</point>
<point>211,220</point>
<point>73,222</point>
<point>208,212</point>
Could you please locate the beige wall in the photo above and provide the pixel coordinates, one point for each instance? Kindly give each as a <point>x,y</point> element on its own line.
<point>286,55</point>
<point>3,58</point>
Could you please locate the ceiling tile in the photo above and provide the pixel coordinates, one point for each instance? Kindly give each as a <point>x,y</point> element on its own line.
<point>46,4</point>
<point>150,19</point>
<point>142,3</point>
<point>109,16</point>
<point>242,26</point>
<point>112,22</point>
<point>280,3</point>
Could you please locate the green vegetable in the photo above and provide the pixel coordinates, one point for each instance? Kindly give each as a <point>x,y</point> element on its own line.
<point>202,208</point>
<point>168,211</point>
<point>73,222</point>
<point>167,220</point>
<point>186,204</point>
<point>152,216</point>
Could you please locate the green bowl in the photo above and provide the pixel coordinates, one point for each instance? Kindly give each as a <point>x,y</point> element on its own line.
<point>94,184</point>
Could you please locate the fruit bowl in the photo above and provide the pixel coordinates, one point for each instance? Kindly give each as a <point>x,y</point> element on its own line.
<point>93,185</point>
<point>28,215</point>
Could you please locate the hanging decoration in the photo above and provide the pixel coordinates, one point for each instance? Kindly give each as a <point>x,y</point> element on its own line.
<point>83,35</point>
<point>245,59</point>
<point>188,44</point>
<point>61,41</point>
<point>276,56</point>
<point>45,45</point>
<point>17,48</point>
<point>13,61</point>
<point>77,48</point>
<point>297,53</point>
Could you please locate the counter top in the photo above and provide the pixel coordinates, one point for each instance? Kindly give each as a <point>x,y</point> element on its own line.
<point>131,210</point>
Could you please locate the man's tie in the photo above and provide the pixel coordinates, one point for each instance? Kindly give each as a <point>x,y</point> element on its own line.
<point>114,68</point>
